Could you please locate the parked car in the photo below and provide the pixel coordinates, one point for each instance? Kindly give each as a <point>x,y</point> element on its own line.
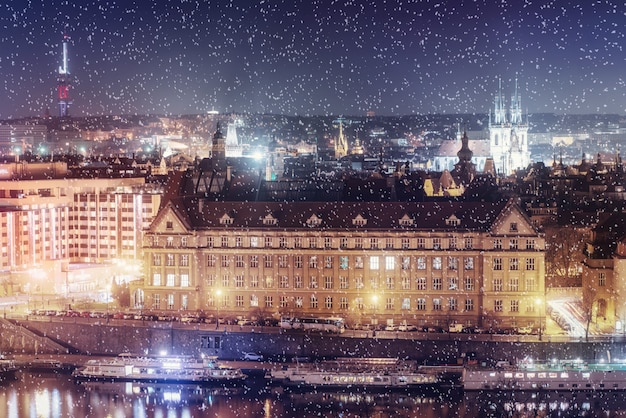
<point>252,356</point>
<point>525,330</point>
<point>407,327</point>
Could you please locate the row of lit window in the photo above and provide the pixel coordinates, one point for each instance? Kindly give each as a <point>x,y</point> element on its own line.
<point>404,243</point>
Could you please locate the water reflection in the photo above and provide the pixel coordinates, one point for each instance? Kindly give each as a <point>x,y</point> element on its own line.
<point>59,396</point>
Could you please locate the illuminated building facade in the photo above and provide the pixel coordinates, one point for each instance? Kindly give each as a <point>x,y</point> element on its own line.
<point>429,263</point>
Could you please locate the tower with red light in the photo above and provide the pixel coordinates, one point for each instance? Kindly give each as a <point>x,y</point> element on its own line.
<point>63,81</point>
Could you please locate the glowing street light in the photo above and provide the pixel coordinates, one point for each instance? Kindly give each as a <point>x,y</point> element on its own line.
<point>218,294</point>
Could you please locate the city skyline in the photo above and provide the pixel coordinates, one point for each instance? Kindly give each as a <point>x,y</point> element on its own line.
<point>313,58</point>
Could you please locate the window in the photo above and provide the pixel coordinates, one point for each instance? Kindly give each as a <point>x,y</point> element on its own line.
<point>469,243</point>
<point>328,282</point>
<point>497,305</point>
<point>374,263</point>
<point>406,283</point>
<point>313,262</point>
<point>530,284</point>
<point>469,305</point>
<point>453,283</point>
<point>390,283</point>
<point>374,243</point>
<point>513,244</point>
<point>254,261</point>
<point>170,279</point>
<point>297,242</point>
<point>269,242</point>
<point>406,304</point>
<point>358,262</point>
<point>497,263</point>
<point>169,242</point>
<point>184,242</point>
<point>284,302</point>
<point>358,302</point>
<point>156,279</point>
<point>282,261</point>
<point>282,242</point>
<point>390,262</point>
<point>268,261</point>
<point>497,244</point>
<point>374,282</point>
<point>343,282</point>
<point>406,243</point>
<point>453,304</point>
<point>269,282</point>
<point>513,284</point>
<point>343,303</point>
<point>224,242</point>
<point>343,243</point>
<point>514,305</point>
<point>297,282</point>
<point>453,263</point>
<point>358,243</point>
<point>225,261</point>
<point>239,301</point>
<point>328,302</point>
<point>421,263</point>
<point>312,242</point>
<point>602,279</point>
<point>436,304</point>
<point>389,304</point>
<point>530,264</point>
<point>358,282</point>
<point>156,259</point>
<point>239,280</point>
<point>297,261</point>
<point>513,263</point>
<point>254,281</point>
<point>420,283</point>
<point>210,242</point>
<point>313,282</point>
<point>436,263</point>
<point>299,302</point>
<point>421,243</point>
<point>157,301</point>
<point>452,243</point>
<point>328,243</point>
<point>497,285</point>
<point>170,301</point>
<point>284,282</point>
<point>239,261</point>
<point>155,241</point>
<point>313,302</point>
<point>421,304</point>
<point>469,283</point>
<point>184,280</point>
<point>225,280</point>
<point>210,280</point>
<point>406,263</point>
<point>468,263</point>
<point>269,301</point>
<point>343,262</point>
<point>437,243</point>
<point>169,260</point>
<point>389,243</point>
<point>530,244</point>
<point>437,283</point>
<point>328,262</point>
<point>513,227</point>
<point>238,242</point>
<point>254,242</point>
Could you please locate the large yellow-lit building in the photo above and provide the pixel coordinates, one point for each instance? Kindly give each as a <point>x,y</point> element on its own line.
<point>429,263</point>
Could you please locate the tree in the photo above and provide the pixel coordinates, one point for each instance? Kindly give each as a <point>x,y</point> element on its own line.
<point>564,255</point>
<point>588,304</point>
<point>121,292</point>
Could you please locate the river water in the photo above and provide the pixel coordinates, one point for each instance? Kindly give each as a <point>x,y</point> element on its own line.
<point>51,396</point>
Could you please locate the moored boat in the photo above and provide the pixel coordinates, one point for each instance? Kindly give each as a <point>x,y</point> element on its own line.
<point>555,375</point>
<point>167,369</point>
<point>382,373</point>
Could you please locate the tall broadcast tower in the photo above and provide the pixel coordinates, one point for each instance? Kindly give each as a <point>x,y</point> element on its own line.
<point>63,80</point>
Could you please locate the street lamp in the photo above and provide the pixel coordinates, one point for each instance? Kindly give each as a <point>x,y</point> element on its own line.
<point>218,294</point>
<point>538,304</point>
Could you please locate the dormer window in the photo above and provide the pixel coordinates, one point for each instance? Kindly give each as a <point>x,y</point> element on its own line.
<point>169,225</point>
<point>359,221</point>
<point>226,219</point>
<point>513,227</point>
<point>406,220</point>
<point>453,221</point>
<point>269,220</point>
<point>314,220</point>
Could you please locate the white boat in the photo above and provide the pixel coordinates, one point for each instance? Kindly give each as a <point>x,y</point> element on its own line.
<point>383,373</point>
<point>158,370</point>
<point>558,376</point>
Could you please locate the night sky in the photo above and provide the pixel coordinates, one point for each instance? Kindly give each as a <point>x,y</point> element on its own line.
<point>311,57</point>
